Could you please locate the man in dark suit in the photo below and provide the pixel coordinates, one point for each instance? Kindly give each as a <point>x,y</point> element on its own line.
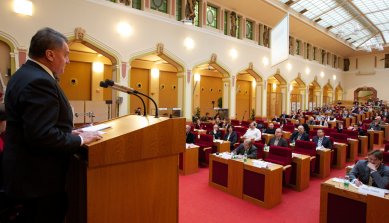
<point>277,140</point>
<point>231,136</point>
<point>217,134</point>
<point>190,137</point>
<point>321,141</point>
<point>248,148</point>
<point>371,172</point>
<point>300,134</point>
<point>39,140</point>
<point>270,129</point>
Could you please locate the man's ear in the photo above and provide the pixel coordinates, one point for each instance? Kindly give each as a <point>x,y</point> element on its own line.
<point>50,55</point>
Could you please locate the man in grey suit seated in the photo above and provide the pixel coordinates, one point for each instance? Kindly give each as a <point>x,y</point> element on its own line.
<point>248,148</point>
<point>371,172</point>
<point>277,140</point>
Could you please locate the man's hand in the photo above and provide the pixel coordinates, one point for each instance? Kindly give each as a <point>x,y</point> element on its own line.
<point>372,166</point>
<point>90,136</point>
<point>357,182</point>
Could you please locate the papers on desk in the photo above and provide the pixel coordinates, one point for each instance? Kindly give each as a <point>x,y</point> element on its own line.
<point>190,145</point>
<point>96,127</point>
<point>218,141</point>
<point>261,164</point>
<point>225,155</point>
<point>375,191</point>
<point>320,148</point>
<point>364,189</point>
<point>296,155</point>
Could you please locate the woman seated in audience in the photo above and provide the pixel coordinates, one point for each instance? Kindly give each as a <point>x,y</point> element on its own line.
<point>231,136</point>
<point>198,124</point>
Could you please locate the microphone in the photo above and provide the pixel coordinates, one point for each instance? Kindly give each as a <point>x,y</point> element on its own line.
<point>116,86</point>
<point>104,84</point>
<point>128,90</point>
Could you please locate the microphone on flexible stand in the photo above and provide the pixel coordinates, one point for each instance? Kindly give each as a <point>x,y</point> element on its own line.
<point>129,90</point>
<point>105,85</point>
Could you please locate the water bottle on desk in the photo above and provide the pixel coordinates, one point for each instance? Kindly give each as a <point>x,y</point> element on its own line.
<point>346,182</point>
<point>245,156</point>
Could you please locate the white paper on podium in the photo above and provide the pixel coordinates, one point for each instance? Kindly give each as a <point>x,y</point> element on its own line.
<point>96,127</point>
<point>375,191</point>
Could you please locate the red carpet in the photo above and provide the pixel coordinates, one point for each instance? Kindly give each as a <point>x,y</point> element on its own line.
<point>199,202</point>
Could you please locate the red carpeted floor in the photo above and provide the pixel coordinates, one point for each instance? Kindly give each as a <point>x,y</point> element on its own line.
<point>199,202</point>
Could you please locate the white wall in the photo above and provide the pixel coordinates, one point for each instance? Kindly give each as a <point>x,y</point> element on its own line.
<point>100,17</point>
<point>368,74</point>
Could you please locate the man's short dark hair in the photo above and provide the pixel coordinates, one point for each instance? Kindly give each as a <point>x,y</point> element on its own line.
<point>45,39</point>
<point>377,154</point>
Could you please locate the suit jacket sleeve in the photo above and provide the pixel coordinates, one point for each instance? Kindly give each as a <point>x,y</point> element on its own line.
<point>381,176</point>
<point>283,142</point>
<point>233,138</point>
<point>41,111</point>
<point>252,153</point>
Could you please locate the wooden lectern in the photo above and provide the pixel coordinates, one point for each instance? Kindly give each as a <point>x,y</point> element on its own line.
<point>131,175</point>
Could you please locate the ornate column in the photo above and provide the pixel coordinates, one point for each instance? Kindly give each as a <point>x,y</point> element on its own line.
<point>123,99</point>
<point>258,99</point>
<point>229,95</point>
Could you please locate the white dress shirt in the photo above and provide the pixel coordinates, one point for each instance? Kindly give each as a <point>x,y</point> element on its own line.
<point>253,134</point>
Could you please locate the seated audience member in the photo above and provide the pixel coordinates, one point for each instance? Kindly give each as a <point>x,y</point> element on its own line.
<point>300,134</point>
<point>276,119</point>
<point>190,137</point>
<point>198,124</point>
<point>311,121</point>
<point>248,148</point>
<point>270,129</point>
<point>294,116</point>
<point>375,125</point>
<point>231,136</point>
<point>206,117</point>
<point>138,111</point>
<point>360,131</point>
<point>345,114</point>
<point>306,127</point>
<point>252,132</point>
<point>319,117</point>
<point>225,123</point>
<point>218,122</point>
<point>284,115</point>
<point>371,172</point>
<point>339,127</point>
<point>277,140</point>
<point>217,134</point>
<point>321,141</point>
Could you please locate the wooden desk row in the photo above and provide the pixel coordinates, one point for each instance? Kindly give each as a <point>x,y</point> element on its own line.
<point>348,205</point>
<point>261,186</point>
<point>189,159</point>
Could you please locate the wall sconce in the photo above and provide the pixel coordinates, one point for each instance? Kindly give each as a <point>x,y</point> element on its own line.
<point>23,7</point>
<point>98,67</point>
<point>291,87</point>
<point>322,74</point>
<point>265,61</point>
<point>334,77</point>
<point>155,73</point>
<point>274,86</point>
<point>124,29</point>
<point>233,53</point>
<point>307,70</point>
<point>197,77</point>
<point>289,66</point>
<point>189,43</point>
